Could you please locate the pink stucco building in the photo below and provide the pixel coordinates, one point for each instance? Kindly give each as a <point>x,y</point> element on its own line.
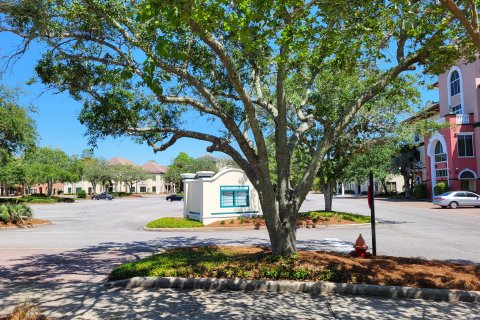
<point>453,153</point>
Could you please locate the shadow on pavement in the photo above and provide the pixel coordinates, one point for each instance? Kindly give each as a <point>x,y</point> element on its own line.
<point>93,263</point>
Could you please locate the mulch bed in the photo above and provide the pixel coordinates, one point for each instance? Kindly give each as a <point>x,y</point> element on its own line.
<point>28,223</point>
<point>259,222</point>
<point>257,263</point>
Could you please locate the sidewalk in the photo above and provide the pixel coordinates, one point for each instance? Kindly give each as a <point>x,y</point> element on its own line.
<point>94,301</point>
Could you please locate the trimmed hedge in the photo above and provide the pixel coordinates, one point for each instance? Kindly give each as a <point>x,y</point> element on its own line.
<point>34,199</point>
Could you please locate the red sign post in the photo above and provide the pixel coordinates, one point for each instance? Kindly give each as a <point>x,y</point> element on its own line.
<point>371,205</point>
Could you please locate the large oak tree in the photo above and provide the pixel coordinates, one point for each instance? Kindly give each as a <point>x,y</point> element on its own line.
<point>250,66</point>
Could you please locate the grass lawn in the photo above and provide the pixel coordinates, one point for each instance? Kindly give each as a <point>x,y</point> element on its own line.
<point>258,263</point>
<point>174,223</point>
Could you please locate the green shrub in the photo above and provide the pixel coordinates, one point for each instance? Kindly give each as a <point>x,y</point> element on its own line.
<point>420,191</point>
<point>4,213</point>
<point>440,187</point>
<point>82,194</point>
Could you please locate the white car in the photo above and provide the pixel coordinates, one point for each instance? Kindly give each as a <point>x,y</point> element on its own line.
<point>455,199</point>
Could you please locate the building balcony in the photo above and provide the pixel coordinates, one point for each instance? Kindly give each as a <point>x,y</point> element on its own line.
<point>457,119</point>
<point>462,119</point>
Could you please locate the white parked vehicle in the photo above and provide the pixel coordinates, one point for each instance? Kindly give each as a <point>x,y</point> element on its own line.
<point>455,199</point>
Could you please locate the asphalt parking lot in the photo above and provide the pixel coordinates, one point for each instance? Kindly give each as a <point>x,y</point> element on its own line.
<point>87,238</point>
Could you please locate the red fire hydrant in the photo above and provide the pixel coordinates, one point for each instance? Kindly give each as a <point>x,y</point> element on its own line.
<point>360,248</point>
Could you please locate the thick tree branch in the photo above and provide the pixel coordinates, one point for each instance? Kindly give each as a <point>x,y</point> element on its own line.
<point>260,100</point>
<point>218,144</point>
<point>234,77</point>
<point>470,27</point>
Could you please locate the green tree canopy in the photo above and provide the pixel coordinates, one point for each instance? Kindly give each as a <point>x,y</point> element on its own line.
<point>183,163</point>
<point>17,127</point>
<point>248,66</point>
<point>96,171</point>
<point>47,165</point>
<point>12,174</point>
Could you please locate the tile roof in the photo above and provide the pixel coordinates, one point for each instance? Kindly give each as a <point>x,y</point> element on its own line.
<point>122,161</point>
<point>153,167</point>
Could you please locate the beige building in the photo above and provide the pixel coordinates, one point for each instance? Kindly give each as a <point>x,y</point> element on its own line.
<point>155,184</point>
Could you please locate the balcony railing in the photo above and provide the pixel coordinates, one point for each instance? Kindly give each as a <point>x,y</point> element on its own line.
<point>462,119</point>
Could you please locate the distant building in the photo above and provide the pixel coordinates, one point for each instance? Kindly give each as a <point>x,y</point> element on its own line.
<point>452,154</point>
<point>155,184</point>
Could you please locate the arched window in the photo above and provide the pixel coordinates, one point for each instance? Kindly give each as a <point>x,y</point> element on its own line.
<point>454,83</point>
<point>467,180</point>
<point>440,156</point>
<point>467,175</point>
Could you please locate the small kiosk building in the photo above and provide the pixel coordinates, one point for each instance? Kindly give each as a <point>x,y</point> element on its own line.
<point>226,195</point>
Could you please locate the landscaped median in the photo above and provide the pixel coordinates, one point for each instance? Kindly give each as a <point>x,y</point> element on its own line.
<point>254,263</point>
<point>18,215</point>
<point>311,219</point>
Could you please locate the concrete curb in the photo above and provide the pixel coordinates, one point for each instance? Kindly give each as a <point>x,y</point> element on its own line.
<point>207,229</point>
<point>299,287</point>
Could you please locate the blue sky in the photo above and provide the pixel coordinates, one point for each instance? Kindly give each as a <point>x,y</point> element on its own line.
<point>57,114</point>
<point>57,117</point>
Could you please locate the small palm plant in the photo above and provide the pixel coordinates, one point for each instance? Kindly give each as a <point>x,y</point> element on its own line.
<point>20,212</point>
<point>15,213</point>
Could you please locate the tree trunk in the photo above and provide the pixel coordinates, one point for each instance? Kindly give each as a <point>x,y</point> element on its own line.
<point>328,194</point>
<point>50,188</point>
<point>94,187</point>
<point>406,183</point>
<point>283,234</point>
<point>384,184</point>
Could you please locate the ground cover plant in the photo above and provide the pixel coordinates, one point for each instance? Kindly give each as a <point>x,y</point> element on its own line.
<point>323,216</point>
<point>168,222</point>
<point>259,263</point>
<point>306,219</point>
